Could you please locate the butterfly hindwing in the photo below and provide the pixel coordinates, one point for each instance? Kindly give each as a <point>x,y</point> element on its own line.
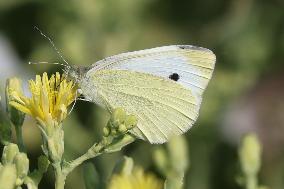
<point>163,107</point>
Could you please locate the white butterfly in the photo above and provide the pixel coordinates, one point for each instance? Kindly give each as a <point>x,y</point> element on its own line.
<point>161,86</point>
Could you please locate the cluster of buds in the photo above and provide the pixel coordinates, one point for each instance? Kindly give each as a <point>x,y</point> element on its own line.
<point>119,123</point>
<point>14,167</point>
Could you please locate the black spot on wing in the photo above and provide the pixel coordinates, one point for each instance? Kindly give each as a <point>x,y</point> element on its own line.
<point>174,77</point>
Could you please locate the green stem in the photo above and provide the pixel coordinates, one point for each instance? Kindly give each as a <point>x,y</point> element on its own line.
<point>31,183</point>
<point>59,177</point>
<point>107,145</point>
<point>251,183</point>
<point>94,151</point>
<point>61,173</point>
<point>19,135</point>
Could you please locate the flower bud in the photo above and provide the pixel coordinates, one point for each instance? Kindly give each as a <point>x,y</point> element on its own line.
<point>249,153</point>
<point>178,150</point>
<point>13,90</point>
<point>9,153</point>
<point>8,177</point>
<point>106,131</point>
<point>130,121</point>
<point>113,132</point>
<point>122,128</point>
<point>161,160</point>
<point>22,164</point>
<point>118,116</point>
<point>19,182</point>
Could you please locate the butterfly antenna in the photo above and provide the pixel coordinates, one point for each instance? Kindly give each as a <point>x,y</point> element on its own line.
<point>57,63</point>
<point>53,45</point>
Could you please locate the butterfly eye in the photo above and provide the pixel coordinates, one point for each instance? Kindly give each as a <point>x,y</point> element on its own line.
<point>79,91</point>
<point>174,77</point>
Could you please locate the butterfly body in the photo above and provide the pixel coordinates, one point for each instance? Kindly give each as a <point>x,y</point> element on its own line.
<point>162,87</point>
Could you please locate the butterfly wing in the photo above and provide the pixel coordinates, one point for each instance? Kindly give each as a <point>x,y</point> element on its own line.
<point>194,65</point>
<point>161,86</point>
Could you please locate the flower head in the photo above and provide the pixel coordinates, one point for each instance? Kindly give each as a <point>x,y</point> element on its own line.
<point>137,180</point>
<point>49,99</point>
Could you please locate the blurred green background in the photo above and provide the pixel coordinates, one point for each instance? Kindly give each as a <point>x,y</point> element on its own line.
<point>245,94</point>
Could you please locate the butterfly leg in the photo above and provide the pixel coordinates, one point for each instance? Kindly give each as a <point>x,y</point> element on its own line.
<point>75,100</point>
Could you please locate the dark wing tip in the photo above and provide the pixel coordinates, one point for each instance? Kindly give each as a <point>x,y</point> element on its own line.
<point>191,47</point>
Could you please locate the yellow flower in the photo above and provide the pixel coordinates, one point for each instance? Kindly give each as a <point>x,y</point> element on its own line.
<point>49,98</point>
<point>137,180</point>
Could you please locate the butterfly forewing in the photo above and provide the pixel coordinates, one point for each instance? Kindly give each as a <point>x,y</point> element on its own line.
<point>194,65</point>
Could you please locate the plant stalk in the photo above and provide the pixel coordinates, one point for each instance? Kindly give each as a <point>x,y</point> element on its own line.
<point>19,135</point>
<point>61,172</point>
<point>251,182</point>
<point>59,177</point>
<point>94,151</point>
<point>107,145</point>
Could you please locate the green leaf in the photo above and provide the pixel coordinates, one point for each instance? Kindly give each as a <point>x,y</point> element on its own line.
<point>43,163</point>
<point>91,177</point>
<point>35,177</point>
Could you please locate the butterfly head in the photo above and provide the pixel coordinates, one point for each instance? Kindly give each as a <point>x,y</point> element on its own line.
<point>75,73</point>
